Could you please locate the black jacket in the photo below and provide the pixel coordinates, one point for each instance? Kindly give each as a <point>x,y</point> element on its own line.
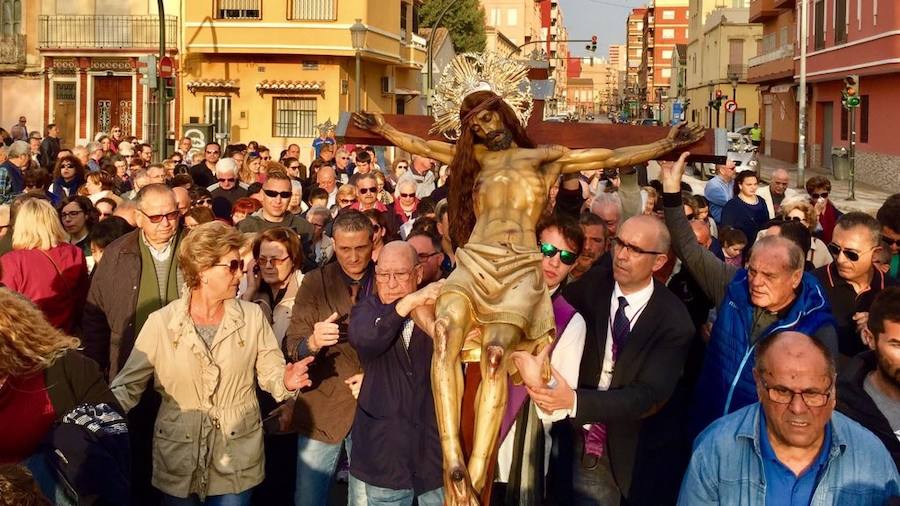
<point>396,443</point>
<point>201,175</point>
<point>853,401</point>
<point>48,153</point>
<point>646,373</point>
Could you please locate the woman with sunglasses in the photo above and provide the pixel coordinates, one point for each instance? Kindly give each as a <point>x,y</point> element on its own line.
<point>207,352</point>
<point>405,202</point>
<point>68,176</point>
<point>560,240</point>
<point>44,267</point>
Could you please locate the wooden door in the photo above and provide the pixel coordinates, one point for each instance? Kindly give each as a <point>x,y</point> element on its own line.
<point>112,103</point>
<point>64,112</point>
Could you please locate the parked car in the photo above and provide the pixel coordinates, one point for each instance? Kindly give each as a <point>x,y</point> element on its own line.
<point>649,122</point>
<point>740,150</point>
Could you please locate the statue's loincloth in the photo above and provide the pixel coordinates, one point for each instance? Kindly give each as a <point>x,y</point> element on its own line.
<point>504,284</point>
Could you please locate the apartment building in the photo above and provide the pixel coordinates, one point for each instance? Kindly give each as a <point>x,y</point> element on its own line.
<point>271,71</point>
<point>665,25</point>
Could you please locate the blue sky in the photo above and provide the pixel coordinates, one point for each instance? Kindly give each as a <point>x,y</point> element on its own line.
<point>603,18</point>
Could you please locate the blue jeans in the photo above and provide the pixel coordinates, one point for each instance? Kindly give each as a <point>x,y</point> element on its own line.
<point>316,462</point>
<point>362,494</point>
<point>242,499</point>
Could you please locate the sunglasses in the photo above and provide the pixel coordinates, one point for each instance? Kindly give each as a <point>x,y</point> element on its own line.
<point>851,255</point>
<point>265,158</point>
<point>890,242</point>
<point>274,262</point>
<point>273,194</point>
<point>156,218</point>
<point>227,179</point>
<point>363,191</point>
<point>566,257</point>
<point>817,196</point>
<point>65,166</point>
<point>70,214</point>
<point>202,202</point>
<point>233,266</point>
<point>347,201</point>
<point>408,195</point>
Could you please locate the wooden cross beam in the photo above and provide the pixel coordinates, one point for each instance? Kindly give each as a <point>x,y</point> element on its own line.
<point>710,149</point>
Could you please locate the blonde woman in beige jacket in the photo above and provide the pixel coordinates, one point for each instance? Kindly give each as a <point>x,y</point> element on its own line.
<point>206,353</point>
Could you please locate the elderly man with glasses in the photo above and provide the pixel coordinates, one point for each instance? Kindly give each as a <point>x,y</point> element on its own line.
<point>790,447</point>
<point>777,191</point>
<point>228,189</point>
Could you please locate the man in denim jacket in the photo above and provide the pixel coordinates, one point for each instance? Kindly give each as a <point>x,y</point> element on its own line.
<point>791,447</point>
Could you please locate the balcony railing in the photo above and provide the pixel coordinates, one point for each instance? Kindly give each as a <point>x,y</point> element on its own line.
<point>313,10</point>
<point>786,51</point>
<point>737,71</point>
<point>104,32</point>
<point>238,9</point>
<point>12,50</point>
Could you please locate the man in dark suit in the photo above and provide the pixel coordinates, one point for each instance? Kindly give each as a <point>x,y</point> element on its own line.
<point>323,412</point>
<point>638,337</point>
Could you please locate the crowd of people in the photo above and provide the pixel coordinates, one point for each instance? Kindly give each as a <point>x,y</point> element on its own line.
<point>233,327</point>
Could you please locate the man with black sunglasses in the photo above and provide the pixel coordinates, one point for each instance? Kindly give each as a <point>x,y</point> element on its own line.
<point>851,282</point>
<point>138,275</point>
<point>228,189</point>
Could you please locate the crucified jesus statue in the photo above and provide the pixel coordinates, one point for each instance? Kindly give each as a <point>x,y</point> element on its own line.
<point>499,181</point>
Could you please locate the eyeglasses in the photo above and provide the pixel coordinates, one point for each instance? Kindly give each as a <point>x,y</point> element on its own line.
<point>227,179</point>
<point>566,257</point>
<point>233,266</point>
<point>402,166</point>
<point>202,202</point>
<point>401,277</point>
<point>407,195</point>
<point>851,255</point>
<point>363,191</point>
<point>274,262</point>
<point>782,395</point>
<point>817,196</point>
<point>70,214</point>
<point>347,201</point>
<point>890,242</point>
<point>156,218</point>
<point>631,248</point>
<point>425,256</point>
<point>273,194</point>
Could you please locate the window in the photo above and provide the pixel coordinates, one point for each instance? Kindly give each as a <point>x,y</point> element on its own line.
<point>667,14</point>
<point>294,117</point>
<point>403,21</point>
<point>512,17</point>
<point>313,10</point>
<point>495,17</point>
<point>238,9</point>
<point>10,17</point>
<point>864,118</point>
<point>735,52</point>
<point>217,110</point>
<point>667,54</point>
<point>840,21</point>
<point>667,73</point>
<point>668,33</point>
<point>820,24</point>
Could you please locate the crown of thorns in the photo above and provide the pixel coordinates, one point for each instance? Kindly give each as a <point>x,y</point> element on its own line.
<point>471,72</point>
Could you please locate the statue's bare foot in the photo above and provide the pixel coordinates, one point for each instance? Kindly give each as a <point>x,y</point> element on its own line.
<point>458,490</point>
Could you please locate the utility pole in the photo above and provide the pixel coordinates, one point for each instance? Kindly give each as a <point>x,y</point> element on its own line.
<point>801,137</point>
<point>161,87</point>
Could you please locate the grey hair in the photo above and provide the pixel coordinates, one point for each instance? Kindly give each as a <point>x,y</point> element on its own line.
<point>152,189</point>
<point>93,146</point>
<point>320,211</point>
<point>763,347</point>
<point>794,253</point>
<point>857,219</point>
<point>19,148</point>
<point>226,166</point>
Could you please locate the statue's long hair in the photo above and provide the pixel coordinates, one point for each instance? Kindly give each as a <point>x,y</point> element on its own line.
<point>464,168</point>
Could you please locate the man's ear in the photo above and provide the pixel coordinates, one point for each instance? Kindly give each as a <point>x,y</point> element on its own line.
<point>869,338</point>
<point>420,273</point>
<point>660,261</point>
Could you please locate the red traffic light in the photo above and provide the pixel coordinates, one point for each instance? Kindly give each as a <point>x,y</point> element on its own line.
<point>594,39</point>
<point>718,93</point>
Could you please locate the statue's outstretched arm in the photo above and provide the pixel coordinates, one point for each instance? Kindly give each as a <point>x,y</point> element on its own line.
<point>374,122</point>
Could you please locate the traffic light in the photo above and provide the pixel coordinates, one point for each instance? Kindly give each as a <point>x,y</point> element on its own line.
<point>850,95</point>
<point>148,71</point>
<point>170,88</point>
<point>592,47</point>
<point>718,94</point>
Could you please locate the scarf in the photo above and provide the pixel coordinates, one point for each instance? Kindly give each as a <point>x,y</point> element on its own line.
<point>63,189</point>
<point>148,291</point>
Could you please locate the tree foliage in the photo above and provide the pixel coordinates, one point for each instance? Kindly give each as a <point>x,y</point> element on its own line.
<point>464,19</point>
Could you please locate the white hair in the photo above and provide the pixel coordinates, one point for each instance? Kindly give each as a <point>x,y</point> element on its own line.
<point>226,166</point>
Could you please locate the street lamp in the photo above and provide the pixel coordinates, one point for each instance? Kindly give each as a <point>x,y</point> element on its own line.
<point>734,78</point>
<point>659,96</point>
<point>358,39</point>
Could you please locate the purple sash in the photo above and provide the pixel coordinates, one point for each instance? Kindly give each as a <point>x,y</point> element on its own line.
<point>562,314</point>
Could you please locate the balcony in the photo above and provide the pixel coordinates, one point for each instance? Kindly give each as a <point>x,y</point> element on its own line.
<point>760,10</point>
<point>773,65</point>
<point>736,71</point>
<point>786,51</point>
<point>104,32</point>
<point>12,53</point>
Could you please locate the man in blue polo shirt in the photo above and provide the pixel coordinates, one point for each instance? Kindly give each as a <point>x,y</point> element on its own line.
<point>791,448</point>
<point>720,189</point>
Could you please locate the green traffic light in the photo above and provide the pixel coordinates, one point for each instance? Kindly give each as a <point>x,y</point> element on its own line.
<point>853,101</point>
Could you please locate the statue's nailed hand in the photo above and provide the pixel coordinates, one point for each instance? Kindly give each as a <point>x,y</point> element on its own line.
<point>683,134</point>
<point>371,121</point>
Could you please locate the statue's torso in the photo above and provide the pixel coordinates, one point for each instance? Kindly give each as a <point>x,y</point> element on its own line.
<point>509,198</point>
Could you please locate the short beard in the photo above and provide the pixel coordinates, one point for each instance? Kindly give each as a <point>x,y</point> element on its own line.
<point>499,140</point>
<point>889,373</point>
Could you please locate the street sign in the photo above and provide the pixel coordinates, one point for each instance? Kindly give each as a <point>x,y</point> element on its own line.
<point>730,106</point>
<point>166,66</point>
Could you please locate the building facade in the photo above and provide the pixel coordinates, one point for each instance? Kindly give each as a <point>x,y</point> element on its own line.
<point>721,40</point>
<point>20,65</point>
<point>665,25</point>
<point>633,100</point>
<point>271,71</point>
<point>852,37</point>
<point>772,70</point>
<point>617,56</point>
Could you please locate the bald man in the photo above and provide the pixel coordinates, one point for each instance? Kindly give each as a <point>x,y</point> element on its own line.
<point>790,447</point>
<point>777,191</point>
<point>638,338</point>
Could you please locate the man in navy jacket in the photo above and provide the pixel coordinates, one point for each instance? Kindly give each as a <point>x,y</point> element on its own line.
<point>396,445</point>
